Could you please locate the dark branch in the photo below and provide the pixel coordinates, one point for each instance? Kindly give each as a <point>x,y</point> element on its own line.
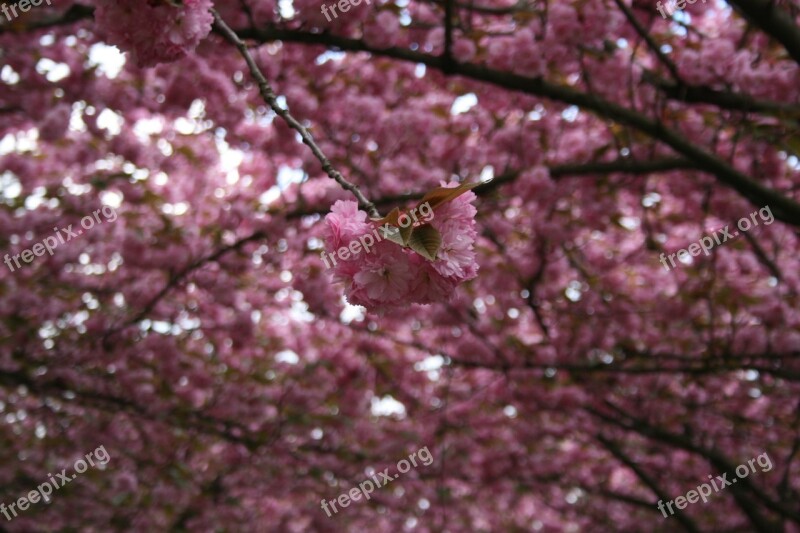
<point>772,20</point>
<point>784,208</point>
<point>269,96</point>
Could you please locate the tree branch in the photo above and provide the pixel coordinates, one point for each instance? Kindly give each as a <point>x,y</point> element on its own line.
<point>784,208</point>
<point>617,452</point>
<point>722,99</point>
<point>271,99</point>
<point>773,21</point>
<point>204,424</point>
<point>713,456</point>
<point>648,39</point>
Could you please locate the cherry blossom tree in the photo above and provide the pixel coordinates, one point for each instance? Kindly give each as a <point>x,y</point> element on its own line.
<point>530,334</point>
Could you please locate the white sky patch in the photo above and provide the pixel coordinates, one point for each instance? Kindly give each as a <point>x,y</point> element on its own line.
<point>51,70</point>
<point>573,495</point>
<point>185,126</point>
<point>7,144</point>
<point>75,189</point>
<point>111,122</point>
<point>650,199</point>
<point>351,313</point>
<point>573,291</point>
<point>178,209</point>
<point>8,75</point>
<point>108,59</point>
<point>281,100</point>
<point>36,198</point>
<point>286,8</point>
<point>536,114</point>
<point>197,110</point>
<point>112,199</point>
<point>270,195</point>
<point>164,147</point>
<point>629,223</point>
<point>143,128</point>
<point>326,56</point>
<point>287,356</point>
<point>487,174</point>
<point>229,159</point>
<point>431,366</point>
<point>194,121</point>
<point>76,122</point>
<point>751,375</point>
<point>387,406</point>
<point>682,16</point>
<point>161,179</point>
<point>22,141</point>
<point>160,326</point>
<point>570,113</point>
<point>10,186</point>
<point>287,176</point>
<point>432,362</point>
<point>419,70</point>
<point>299,310</point>
<point>463,103</point>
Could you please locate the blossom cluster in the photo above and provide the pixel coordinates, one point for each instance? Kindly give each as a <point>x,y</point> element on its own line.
<point>154,31</point>
<point>395,276</point>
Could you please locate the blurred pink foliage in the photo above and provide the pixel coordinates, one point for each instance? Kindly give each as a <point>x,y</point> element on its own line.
<point>568,387</point>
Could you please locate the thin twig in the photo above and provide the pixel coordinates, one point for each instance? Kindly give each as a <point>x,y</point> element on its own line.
<point>448,31</point>
<point>271,99</point>
<point>649,40</point>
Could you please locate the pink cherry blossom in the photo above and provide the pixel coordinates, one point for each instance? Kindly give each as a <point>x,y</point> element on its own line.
<point>386,273</point>
<point>238,370</point>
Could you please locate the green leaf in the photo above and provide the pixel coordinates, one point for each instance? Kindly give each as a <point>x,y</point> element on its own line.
<point>442,195</point>
<point>391,218</point>
<point>426,241</point>
<point>401,234</point>
<point>405,233</point>
<point>395,236</point>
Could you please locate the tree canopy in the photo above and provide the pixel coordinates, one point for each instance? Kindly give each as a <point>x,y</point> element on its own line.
<point>590,308</point>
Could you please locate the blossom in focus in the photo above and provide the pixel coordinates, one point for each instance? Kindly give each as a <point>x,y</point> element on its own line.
<point>391,275</point>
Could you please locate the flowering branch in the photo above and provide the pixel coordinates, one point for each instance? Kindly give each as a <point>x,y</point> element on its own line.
<point>271,99</point>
